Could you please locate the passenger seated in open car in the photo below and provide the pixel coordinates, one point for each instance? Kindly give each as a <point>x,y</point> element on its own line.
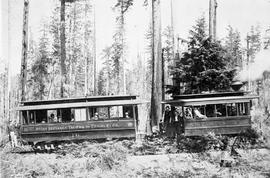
<point>198,115</point>
<point>53,118</point>
<point>43,121</point>
<point>96,117</point>
<point>127,115</point>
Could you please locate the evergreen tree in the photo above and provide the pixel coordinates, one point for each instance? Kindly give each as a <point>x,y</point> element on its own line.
<point>168,48</point>
<point>54,69</point>
<point>39,69</point>
<point>102,81</point>
<point>107,80</point>
<point>203,66</point>
<point>233,48</point>
<point>254,40</point>
<point>267,38</point>
<point>118,46</point>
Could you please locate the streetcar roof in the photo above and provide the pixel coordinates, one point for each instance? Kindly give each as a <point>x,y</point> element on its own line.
<point>80,104</point>
<point>210,100</point>
<point>79,99</point>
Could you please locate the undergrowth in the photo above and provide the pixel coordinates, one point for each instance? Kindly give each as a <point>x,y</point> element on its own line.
<point>245,139</point>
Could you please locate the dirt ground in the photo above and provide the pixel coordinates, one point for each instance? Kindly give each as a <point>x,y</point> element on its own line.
<point>250,163</point>
<point>117,159</point>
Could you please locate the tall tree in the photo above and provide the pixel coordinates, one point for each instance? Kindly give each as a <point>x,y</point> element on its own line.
<point>62,47</point>
<point>55,78</point>
<point>267,38</point>
<point>39,77</point>
<point>168,53</point>
<point>4,88</point>
<point>122,6</point>
<point>203,66</point>
<point>156,92</point>
<point>107,69</point>
<point>254,42</point>
<point>24,49</point>
<point>233,48</point>
<point>212,19</point>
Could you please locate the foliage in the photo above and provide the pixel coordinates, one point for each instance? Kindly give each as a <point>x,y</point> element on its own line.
<point>202,143</point>
<point>115,53</point>
<point>249,136</point>
<point>267,38</point>
<point>39,69</point>
<point>123,5</point>
<point>203,68</point>
<point>254,40</point>
<point>233,48</point>
<point>261,124</point>
<point>168,48</point>
<point>4,103</point>
<point>110,159</point>
<point>44,57</point>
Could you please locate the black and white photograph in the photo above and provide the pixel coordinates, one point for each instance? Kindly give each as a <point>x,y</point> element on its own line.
<point>134,88</point>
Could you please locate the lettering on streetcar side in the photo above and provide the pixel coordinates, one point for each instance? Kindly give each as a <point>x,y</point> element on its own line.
<point>78,126</point>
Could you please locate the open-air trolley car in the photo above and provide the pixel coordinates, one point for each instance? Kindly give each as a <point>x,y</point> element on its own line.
<point>220,113</point>
<point>79,118</point>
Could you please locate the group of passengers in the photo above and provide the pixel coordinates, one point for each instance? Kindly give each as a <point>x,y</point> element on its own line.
<point>52,119</point>
<point>173,119</point>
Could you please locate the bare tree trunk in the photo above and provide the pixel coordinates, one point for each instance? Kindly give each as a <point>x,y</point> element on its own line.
<point>86,63</point>
<point>72,69</point>
<point>212,19</point>
<point>24,49</point>
<point>8,64</point>
<point>215,21</point>
<point>156,93</point>
<point>94,53</point>
<point>108,80</point>
<point>122,72</point>
<point>63,47</point>
<point>172,26</point>
<point>162,77</point>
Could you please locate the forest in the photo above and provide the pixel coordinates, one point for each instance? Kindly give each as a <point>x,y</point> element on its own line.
<point>63,63</point>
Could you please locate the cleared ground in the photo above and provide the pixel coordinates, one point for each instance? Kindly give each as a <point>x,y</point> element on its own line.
<point>126,159</point>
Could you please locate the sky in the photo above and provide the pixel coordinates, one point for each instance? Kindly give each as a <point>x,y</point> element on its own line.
<point>240,14</point>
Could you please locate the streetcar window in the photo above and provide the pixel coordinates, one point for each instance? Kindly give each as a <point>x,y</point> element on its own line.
<point>116,112</point>
<point>102,113</point>
<point>242,109</point>
<point>220,110</point>
<point>24,118</point>
<point>199,112</point>
<point>210,110</point>
<point>128,111</point>
<point>232,110</point>
<point>98,113</point>
<point>66,115</point>
<point>93,115</point>
<point>80,114</point>
<point>41,116</point>
<point>188,112</point>
<point>201,109</point>
<point>32,117</point>
<point>52,115</point>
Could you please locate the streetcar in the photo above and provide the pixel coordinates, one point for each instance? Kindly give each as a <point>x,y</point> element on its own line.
<point>97,117</point>
<point>218,113</point>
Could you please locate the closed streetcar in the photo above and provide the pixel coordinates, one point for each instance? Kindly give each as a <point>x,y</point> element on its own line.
<point>79,118</point>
